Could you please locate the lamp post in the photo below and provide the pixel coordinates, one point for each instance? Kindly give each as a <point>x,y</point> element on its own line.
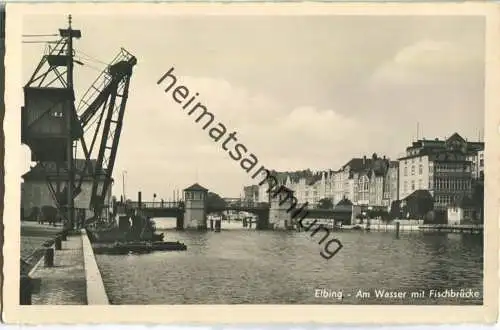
<point>123,186</point>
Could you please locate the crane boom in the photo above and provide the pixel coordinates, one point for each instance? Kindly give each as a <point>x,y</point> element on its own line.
<point>112,100</point>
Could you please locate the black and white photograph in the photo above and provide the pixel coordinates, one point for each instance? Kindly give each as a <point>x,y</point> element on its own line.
<point>251,158</point>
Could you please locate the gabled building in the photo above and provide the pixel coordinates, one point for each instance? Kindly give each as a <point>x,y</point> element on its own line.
<point>366,181</point>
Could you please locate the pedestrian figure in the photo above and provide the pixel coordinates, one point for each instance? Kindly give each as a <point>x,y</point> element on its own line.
<point>40,217</point>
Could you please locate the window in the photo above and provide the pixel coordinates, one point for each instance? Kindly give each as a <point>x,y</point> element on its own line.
<point>420,184</point>
<point>412,185</point>
<point>420,169</point>
<point>405,171</point>
<point>481,162</point>
<point>413,170</point>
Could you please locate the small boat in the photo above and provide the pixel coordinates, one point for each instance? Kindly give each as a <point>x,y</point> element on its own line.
<point>169,246</point>
<point>138,247</point>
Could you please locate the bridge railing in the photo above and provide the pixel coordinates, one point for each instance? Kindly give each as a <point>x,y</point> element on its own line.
<point>249,204</point>
<point>156,205</point>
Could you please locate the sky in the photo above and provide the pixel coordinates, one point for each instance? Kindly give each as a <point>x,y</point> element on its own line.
<point>300,91</point>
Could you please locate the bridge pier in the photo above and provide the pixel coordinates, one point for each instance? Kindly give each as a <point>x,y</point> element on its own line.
<point>179,222</point>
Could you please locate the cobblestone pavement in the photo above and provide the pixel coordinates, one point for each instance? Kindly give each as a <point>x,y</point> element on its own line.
<point>63,284</point>
<point>33,235</point>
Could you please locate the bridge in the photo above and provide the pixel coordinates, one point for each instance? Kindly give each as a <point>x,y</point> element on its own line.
<point>177,210</point>
<point>195,208</point>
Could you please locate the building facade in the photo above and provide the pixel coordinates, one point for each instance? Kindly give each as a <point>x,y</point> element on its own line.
<point>443,167</point>
<point>477,164</point>
<point>363,181</point>
<point>35,191</point>
<point>366,181</point>
<point>391,184</point>
<point>251,194</point>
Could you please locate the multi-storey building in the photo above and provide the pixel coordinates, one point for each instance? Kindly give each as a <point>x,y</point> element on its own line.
<point>366,181</point>
<point>309,187</point>
<point>440,166</point>
<point>477,163</point>
<point>480,167</point>
<point>391,184</point>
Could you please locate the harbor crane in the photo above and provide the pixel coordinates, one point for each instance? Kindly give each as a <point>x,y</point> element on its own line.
<point>53,127</point>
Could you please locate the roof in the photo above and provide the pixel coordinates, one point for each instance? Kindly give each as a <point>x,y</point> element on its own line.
<point>421,193</point>
<point>358,164</point>
<point>369,166</point>
<point>344,202</point>
<point>295,176</point>
<point>195,187</point>
<point>455,143</point>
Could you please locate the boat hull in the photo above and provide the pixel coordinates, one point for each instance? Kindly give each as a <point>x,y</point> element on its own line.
<point>137,247</point>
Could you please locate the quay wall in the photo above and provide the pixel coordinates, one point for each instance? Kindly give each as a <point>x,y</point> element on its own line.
<point>96,293</point>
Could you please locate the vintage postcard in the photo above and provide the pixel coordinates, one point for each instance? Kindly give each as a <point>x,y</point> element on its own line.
<point>251,163</point>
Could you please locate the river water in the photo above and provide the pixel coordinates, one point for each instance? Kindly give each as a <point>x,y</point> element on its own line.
<point>242,266</point>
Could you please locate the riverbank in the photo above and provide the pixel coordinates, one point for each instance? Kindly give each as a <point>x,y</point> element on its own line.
<point>33,236</point>
<point>74,278</point>
<point>404,226</point>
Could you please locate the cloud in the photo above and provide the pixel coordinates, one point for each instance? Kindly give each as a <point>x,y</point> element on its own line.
<point>161,139</point>
<point>427,62</point>
<point>304,136</point>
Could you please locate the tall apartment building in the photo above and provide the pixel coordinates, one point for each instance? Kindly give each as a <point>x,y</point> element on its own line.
<point>442,167</point>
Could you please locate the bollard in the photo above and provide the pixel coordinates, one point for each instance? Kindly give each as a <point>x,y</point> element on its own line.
<point>25,290</point>
<point>58,243</point>
<point>48,259</point>
<point>397,229</point>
